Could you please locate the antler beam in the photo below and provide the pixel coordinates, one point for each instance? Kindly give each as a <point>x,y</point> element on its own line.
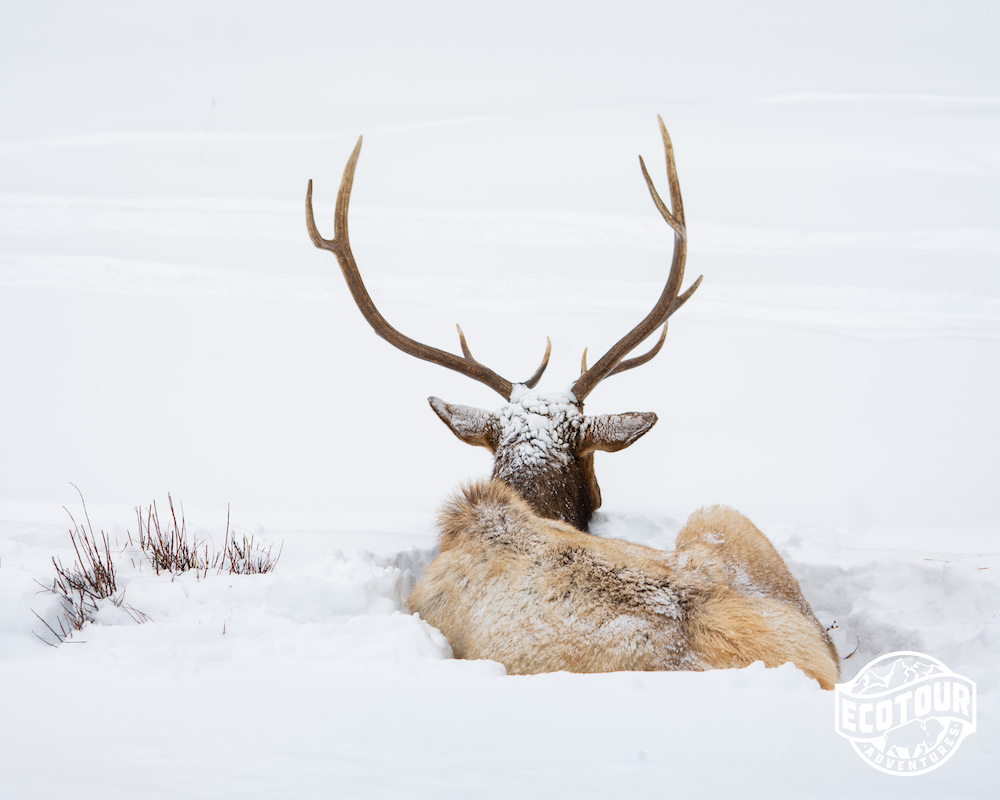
<point>340,246</point>
<point>670,300</point>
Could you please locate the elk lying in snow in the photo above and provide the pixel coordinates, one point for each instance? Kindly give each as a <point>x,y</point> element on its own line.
<point>518,580</point>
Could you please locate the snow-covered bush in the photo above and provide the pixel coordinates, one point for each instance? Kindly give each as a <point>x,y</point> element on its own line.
<point>169,548</point>
<point>88,585</point>
<point>90,589</point>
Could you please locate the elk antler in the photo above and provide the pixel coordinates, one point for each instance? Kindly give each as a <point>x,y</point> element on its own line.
<point>340,246</point>
<point>670,300</point>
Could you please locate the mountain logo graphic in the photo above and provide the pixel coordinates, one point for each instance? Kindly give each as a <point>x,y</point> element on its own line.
<point>906,713</point>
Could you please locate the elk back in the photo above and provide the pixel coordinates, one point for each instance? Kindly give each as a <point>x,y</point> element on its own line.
<point>538,595</point>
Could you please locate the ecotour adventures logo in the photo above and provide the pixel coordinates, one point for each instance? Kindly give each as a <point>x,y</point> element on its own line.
<point>906,713</point>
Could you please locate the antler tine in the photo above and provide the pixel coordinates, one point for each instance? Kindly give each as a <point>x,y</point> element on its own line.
<point>670,299</point>
<point>638,361</point>
<point>340,246</point>
<point>533,380</point>
<point>629,363</point>
<point>465,346</point>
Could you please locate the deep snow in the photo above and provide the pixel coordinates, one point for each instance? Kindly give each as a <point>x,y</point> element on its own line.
<point>169,327</point>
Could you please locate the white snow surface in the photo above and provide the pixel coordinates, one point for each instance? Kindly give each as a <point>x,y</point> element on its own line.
<point>168,327</point>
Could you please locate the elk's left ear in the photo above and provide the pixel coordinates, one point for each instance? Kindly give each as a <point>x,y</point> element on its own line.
<point>613,432</point>
<point>471,425</point>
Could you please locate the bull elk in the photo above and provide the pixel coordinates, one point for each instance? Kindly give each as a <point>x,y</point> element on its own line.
<point>519,580</point>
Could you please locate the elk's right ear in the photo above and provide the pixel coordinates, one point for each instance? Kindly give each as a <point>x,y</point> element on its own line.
<point>471,425</point>
<point>614,432</point>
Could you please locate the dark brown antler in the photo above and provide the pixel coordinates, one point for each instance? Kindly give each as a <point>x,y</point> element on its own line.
<point>340,246</point>
<point>614,360</point>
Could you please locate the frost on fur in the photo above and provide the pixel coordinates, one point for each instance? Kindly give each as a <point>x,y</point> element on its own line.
<point>543,446</point>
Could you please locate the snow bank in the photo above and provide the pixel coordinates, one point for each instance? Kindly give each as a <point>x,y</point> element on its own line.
<point>314,675</point>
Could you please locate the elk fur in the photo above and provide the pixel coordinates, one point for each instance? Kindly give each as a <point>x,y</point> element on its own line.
<point>538,595</point>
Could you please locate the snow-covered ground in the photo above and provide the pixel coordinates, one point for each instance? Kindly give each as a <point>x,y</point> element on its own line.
<point>168,327</point>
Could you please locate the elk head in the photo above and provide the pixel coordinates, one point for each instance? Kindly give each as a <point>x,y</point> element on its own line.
<point>543,445</point>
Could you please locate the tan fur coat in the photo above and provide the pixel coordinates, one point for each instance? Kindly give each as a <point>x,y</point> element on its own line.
<point>538,595</point>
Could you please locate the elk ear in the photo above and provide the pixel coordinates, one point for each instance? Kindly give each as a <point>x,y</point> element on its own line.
<point>471,425</point>
<point>613,432</point>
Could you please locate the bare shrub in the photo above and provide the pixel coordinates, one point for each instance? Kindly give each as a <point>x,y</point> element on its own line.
<point>81,587</point>
<point>246,558</point>
<point>168,547</point>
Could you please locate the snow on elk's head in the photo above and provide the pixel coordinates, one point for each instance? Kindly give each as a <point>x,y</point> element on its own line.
<point>543,445</point>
